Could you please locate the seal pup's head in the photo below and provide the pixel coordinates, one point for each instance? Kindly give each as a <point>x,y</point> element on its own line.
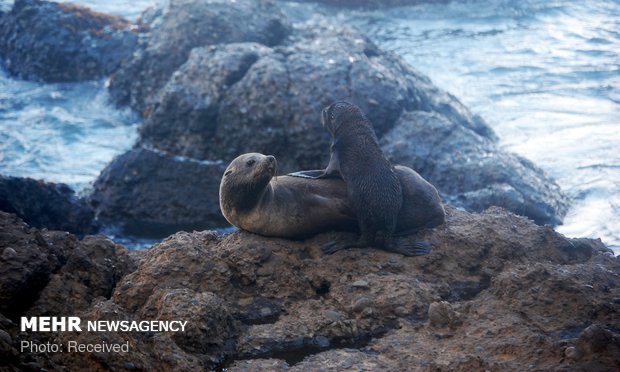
<point>245,178</point>
<point>338,113</point>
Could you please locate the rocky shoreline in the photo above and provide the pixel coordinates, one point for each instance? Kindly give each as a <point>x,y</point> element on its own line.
<point>497,292</point>
<point>213,79</point>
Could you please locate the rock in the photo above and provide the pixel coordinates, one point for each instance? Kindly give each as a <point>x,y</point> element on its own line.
<point>246,97</point>
<point>147,350</point>
<point>210,324</point>
<point>46,205</point>
<point>360,304</point>
<point>234,98</point>
<point>573,353</point>
<point>53,272</point>
<point>23,274</point>
<point>181,25</point>
<point>532,303</point>
<point>594,339</point>
<point>58,42</point>
<point>342,359</point>
<point>470,170</point>
<point>183,123</point>
<point>275,365</point>
<point>441,314</point>
<point>150,193</point>
<point>360,284</point>
<point>91,268</point>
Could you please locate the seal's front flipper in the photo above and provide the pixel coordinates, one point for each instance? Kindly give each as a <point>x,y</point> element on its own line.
<point>314,174</point>
<point>420,248</point>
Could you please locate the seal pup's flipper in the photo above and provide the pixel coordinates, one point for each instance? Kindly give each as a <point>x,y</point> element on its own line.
<point>332,170</point>
<point>405,248</point>
<point>314,174</point>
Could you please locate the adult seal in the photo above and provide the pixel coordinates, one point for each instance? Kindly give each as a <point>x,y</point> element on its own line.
<point>252,198</point>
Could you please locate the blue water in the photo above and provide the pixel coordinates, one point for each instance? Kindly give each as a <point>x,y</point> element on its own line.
<point>60,132</point>
<point>544,74</point>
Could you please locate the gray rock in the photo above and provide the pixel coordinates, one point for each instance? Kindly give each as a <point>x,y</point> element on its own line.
<point>470,170</point>
<point>27,272</point>
<point>238,97</point>
<point>56,42</point>
<point>45,204</point>
<point>244,97</point>
<point>181,25</point>
<point>152,194</point>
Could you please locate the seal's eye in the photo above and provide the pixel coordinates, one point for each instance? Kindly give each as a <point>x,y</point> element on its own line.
<point>250,162</point>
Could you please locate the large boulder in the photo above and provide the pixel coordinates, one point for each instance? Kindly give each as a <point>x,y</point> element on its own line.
<point>470,170</point>
<point>153,194</point>
<point>497,292</point>
<point>56,42</point>
<point>246,97</point>
<point>212,95</point>
<point>45,204</point>
<point>181,25</point>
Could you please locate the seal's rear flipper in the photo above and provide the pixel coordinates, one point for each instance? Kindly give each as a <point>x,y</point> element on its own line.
<point>420,248</point>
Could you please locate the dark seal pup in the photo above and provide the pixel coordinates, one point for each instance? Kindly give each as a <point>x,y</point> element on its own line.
<point>374,195</point>
<point>373,187</point>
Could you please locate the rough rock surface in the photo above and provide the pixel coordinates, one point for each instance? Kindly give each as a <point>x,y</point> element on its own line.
<point>46,204</point>
<point>470,170</point>
<point>153,194</point>
<point>43,272</point>
<point>246,97</point>
<point>181,25</point>
<point>496,293</point>
<point>52,42</point>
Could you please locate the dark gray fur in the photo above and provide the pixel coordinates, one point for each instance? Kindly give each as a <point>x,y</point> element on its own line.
<point>373,187</point>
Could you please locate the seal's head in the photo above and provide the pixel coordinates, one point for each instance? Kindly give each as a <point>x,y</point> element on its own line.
<point>334,115</point>
<point>245,179</point>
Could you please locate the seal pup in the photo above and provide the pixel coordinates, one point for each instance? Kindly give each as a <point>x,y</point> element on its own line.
<point>252,198</point>
<point>374,188</point>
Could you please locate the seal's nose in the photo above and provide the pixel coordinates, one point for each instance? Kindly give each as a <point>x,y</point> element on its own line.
<point>271,158</point>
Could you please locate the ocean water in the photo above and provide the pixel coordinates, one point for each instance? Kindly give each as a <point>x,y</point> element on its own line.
<point>544,74</point>
<point>60,132</point>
